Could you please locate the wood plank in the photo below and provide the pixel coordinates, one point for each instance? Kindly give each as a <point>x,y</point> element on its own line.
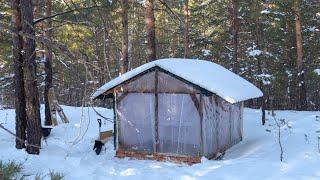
<point>158,156</point>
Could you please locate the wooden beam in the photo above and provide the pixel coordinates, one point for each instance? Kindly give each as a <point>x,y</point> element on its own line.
<point>115,132</point>
<point>196,102</point>
<point>241,117</point>
<point>201,126</point>
<point>198,105</point>
<point>156,123</point>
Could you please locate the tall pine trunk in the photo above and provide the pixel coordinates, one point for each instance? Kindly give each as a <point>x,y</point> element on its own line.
<point>124,59</point>
<point>30,80</point>
<point>20,102</point>
<point>186,29</point>
<point>150,31</point>
<point>234,33</point>
<point>261,100</point>
<point>301,89</point>
<point>48,66</point>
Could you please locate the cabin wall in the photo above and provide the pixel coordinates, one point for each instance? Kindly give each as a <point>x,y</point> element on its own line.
<point>178,125</point>
<point>222,125</point>
<point>136,121</point>
<point>156,114</point>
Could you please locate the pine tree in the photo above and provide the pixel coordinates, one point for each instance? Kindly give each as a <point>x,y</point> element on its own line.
<point>20,102</point>
<point>48,65</point>
<point>124,59</point>
<point>30,79</point>
<point>150,30</point>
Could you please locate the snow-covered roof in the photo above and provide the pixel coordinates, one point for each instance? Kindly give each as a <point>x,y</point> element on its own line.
<point>206,74</point>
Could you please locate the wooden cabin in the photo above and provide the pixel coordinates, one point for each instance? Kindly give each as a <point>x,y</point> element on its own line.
<point>177,109</point>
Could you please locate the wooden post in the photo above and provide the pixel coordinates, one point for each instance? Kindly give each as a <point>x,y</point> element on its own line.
<point>230,124</point>
<point>156,123</point>
<point>55,107</point>
<point>115,132</point>
<point>201,127</point>
<point>52,107</point>
<point>241,117</point>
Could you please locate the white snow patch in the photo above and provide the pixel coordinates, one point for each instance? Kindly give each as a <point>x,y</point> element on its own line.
<point>255,52</point>
<point>312,29</point>
<point>206,2</point>
<point>317,71</point>
<point>265,11</point>
<point>266,78</point>
<point>206,52</point>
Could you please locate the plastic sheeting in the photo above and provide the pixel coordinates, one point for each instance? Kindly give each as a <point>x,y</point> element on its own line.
<point>222,124</point>
<point>224,128</point>
<point>179,125</point>
<point>144,83</point>
<point>136,115</point>
<point>236,124</point>
<point>167,83</point>
<point>210,126</point>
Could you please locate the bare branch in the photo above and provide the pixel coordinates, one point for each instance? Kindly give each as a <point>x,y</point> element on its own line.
<point>21,140</point>
<point>171,11</point>
<point>65,12</point>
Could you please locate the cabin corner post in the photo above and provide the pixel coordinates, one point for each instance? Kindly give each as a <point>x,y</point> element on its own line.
<point>201,126</point>
<point>115,121</point>
<point>241,119</point>
<point>230,124</point>
<point>156,114</point>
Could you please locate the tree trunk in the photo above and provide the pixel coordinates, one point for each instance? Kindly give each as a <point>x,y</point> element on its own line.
<point>186,29</point>
<point>124,60</point>
<point>234,33</point>
<point>150,31</point>
<point>48,66</point>
<point>288,60</point>
<point>30,80</point>
<point>20,102</point>
<point>301,89</point>
<point>262,100</point>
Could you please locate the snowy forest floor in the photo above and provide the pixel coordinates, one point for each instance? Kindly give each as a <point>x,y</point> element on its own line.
<point>69,151</point>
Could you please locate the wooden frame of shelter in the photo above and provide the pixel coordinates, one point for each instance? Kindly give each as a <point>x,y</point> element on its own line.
<point>176,120</point>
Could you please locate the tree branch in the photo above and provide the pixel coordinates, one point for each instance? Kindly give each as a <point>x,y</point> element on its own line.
<point>171,11</point>
<point>65,12</point>
<point>19,139</point>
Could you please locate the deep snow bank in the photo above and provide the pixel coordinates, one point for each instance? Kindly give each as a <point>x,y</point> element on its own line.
<point>69,150</point>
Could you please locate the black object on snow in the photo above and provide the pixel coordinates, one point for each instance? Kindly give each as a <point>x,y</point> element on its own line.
<point>97,146</point>
<point>46,131</point>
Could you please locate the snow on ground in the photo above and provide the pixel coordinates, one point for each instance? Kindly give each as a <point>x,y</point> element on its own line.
<point>256,157</point>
